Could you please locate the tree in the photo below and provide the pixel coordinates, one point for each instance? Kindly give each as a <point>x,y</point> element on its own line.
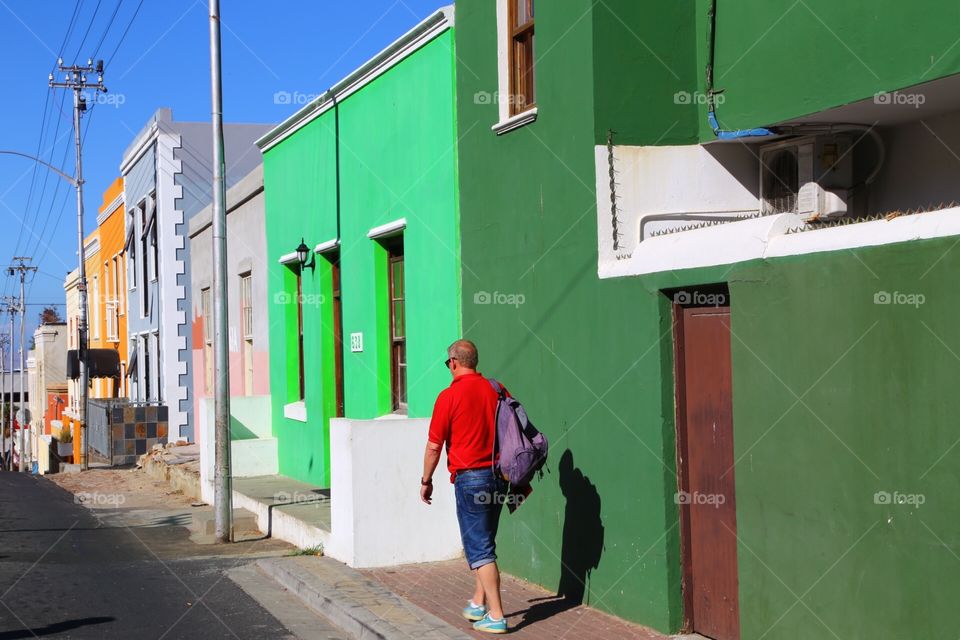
<point>50,315</point>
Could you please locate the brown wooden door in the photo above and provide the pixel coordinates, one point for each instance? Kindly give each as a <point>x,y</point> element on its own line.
<point>705,450</point>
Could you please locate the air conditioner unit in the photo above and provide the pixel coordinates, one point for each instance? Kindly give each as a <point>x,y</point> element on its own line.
<point>808,176</point>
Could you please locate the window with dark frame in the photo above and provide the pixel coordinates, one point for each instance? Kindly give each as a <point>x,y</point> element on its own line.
<point>398,332</point>
<point>300,355</point>
<point>337,333</point>
<point>523,94</point>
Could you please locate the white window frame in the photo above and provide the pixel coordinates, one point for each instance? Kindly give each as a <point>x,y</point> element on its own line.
<point>507,122</point>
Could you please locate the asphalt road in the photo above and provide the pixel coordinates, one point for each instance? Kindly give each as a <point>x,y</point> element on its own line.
<point>67,573</point>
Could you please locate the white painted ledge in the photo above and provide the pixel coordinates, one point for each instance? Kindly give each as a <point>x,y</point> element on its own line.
<point>387,229</point>
<point>329,245</point>
<point>295,411</point>
<point>766,237</point>
<point>515,122</point>
<point>288,258</point>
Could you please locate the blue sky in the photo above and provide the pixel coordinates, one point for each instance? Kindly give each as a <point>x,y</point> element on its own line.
<point>300,48</point>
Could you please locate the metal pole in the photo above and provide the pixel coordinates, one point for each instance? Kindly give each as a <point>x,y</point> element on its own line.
<point>222,487</point>
<point>3,391</point>
<point>23,407</point>
<point>81,287</point>
<point>10,407</point>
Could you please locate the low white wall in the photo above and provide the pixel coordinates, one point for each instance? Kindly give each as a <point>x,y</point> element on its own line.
<point>248,458</point>
<point>376,513</point>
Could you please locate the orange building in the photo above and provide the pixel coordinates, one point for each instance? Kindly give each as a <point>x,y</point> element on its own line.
<point>106,274</point>
<point>106,300</point>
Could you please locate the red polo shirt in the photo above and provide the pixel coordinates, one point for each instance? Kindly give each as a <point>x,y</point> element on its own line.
<point>463,420</point>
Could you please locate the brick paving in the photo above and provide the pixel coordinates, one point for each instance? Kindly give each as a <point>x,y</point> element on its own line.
<point>442,588</point>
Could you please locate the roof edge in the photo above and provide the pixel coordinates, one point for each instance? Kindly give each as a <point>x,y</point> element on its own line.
<point>438,22</point>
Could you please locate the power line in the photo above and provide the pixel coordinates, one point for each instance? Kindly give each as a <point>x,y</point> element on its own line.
<point>125,31</point>
<point>86,33</point>
<point>107,30</point>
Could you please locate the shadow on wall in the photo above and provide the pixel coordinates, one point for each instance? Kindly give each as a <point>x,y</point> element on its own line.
<point>581,547</point>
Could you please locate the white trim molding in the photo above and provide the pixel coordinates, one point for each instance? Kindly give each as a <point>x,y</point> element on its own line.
<point>438,22</point>
<point>329,245</point>
<point>289,258</point>
<point>388,229</point>
<point>515,122</point>
<point>111,208</point>
<point>767,237</point>
<point>295,411</point>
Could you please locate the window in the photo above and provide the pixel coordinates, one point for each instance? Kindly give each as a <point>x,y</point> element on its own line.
<point>300,354</point>
<point>131,250</point>
<point>153,259</point>
<point>398,340</point>
<point>246,328</point>
<point>147,368</point>
<point>206,311</point>
<point>337,334</point>
<point>94,306</point>
<point>117,296</point>
<point>246,306</point>
<point>523,94</point>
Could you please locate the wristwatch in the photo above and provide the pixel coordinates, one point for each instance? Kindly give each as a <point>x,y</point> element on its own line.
<point>425,483</point>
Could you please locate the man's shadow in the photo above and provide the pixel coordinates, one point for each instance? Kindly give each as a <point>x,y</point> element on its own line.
<point>581,547</point>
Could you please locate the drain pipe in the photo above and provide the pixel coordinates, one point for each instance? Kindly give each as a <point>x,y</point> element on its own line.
<point>711,92</point>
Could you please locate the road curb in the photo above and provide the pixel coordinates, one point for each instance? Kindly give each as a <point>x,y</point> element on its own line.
<point>362,607</point>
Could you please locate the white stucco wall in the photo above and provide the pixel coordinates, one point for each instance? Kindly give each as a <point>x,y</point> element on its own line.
<point>377,518</point>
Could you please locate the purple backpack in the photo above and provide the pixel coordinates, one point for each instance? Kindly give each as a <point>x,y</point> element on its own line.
<point>523,449</point>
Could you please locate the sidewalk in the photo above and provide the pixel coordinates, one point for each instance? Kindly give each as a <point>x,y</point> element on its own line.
<point>442,588</point>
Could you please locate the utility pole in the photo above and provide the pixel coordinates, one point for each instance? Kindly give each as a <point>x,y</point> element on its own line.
<point>222,487</point>
<point>76,80</point>
<point>22,268</point>
<point>3,388</point>
<point>10,305</point>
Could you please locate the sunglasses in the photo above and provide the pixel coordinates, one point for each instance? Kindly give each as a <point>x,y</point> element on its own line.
<point>447,362</point>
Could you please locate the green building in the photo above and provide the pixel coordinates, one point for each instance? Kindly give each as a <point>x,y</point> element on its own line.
<point>729,303</point>
<point>362,180</point>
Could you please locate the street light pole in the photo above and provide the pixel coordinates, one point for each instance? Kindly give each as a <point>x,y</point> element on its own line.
<point>222,481</point>
<point>76,80</point>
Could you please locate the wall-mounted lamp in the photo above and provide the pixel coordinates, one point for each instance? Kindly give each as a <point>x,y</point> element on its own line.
<point>303,253</point>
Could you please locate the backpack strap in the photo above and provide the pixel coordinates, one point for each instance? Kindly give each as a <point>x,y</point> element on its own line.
<point>496,420</point>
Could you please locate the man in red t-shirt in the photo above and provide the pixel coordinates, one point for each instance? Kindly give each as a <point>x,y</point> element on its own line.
<point>464,420</point>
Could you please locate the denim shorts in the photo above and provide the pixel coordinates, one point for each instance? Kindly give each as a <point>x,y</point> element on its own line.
<point>479,502</point>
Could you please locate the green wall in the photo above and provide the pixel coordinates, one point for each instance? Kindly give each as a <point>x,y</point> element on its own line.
<point>592,362</point>
<point>780,59</point>
<point>774,61</point>
<point>397,159</point>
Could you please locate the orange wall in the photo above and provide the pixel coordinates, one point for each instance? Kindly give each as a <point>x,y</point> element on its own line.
<point>112,233</point>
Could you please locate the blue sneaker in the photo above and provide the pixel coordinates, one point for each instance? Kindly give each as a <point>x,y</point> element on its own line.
<point>473,613</point>
<point>489,625</point>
